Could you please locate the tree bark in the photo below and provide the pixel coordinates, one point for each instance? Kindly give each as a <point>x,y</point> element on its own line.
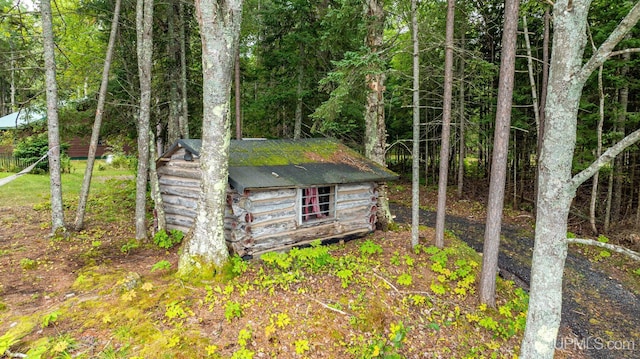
<point>446,126</point>
<point>184,107</point>
<point>219,22</point>
<point>55,179</point>
<point>237,96</point>
<point>97,123</point>
<point>144,46</point>
<point>415,155</point>
<point>556,186</point>
<point>297,128</point>
<point>500,151</point>
<point>375,137</point>
<point>461,125</point>
<point>621,172</point>
<point>596,176</point>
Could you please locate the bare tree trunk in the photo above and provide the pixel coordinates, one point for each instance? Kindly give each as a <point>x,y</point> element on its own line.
<point>415,155</point>
<point>184,108</point>
<point>446,126</point>
<point>461,119</point>
<point>205,246</point>
<point>607,210</point>
<point>543,95</point>
<point>237,96</point>
<point>532,81</point>
<point>556,186</point>
<point>156,196</point>
<point>375,137</point>
<point>97,123</point>
<point>173,74</point>
<point>55,179</point>
<point>297,129</point>
<point>596,176</point>
<point>621,172</point>
<point>144,45</point>
<point>500,152</point>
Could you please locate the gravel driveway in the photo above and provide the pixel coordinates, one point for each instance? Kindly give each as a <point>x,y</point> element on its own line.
<point>602,314</point>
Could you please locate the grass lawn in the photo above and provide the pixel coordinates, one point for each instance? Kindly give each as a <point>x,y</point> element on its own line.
<point>30,189</point>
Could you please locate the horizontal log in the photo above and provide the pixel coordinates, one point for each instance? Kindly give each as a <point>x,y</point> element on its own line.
<point>177,220</point>
<point>355,196</point>
<point>180,162</point>
<point>187,192</point>
<point>193,173</point>
<point>183,211</point>
<point>355,187</point>
<point>179,181</point>
<point>254,251</point>
<point>356,212</point>
<point>269,195</point>
<point>277,216</point>
<point>341,206</point>
<point>272,228</point>
<point>180,201</point>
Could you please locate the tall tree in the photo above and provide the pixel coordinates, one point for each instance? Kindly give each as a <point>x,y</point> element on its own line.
<point>557,187</point>
<point>499,159</point>
<point>219,29</point>
<point>415,153</point>
<point>55,179</point>
<point>97,124</point>
<point>446,125</point>
<point>375,134</point>
<point>144,47</point>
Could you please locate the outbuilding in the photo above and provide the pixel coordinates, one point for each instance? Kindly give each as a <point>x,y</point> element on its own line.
<point>280,194</point>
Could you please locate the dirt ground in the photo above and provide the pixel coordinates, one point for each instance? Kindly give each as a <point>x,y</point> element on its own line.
<point>39,273</point>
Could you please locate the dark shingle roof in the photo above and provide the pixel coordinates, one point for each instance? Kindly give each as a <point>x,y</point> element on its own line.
<point>293,163</point>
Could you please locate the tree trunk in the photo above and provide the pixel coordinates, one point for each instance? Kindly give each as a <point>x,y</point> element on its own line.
<point>446,126</point>
<point>556,186</point>
<point>237,96</point>
<point>415,155</point>
<point>55,179</point>
<point>500,151</point>
<point>532,81</point>
<point>159,216</point>
<point>543,95</point>
<point>97,123</point>
<point>173,74</point>
<point>621,172</point>
<point>220,29</point>
<point>375,137</point>
<point>297,128</point>
<point>596,177</point>
<point>144,45</point>
<point>461,119</point>
<point>184,107</point>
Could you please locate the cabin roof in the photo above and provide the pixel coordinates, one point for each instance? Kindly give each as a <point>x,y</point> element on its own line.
<point>292,163</point>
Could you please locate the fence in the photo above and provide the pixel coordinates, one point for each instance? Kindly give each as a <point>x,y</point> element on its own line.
<point>8,163</point>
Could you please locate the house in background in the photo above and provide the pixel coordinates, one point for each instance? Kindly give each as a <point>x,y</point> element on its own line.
<point>280,194</point>
<point>78,146</point>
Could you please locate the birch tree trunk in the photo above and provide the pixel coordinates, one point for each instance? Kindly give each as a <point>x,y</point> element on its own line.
<point>55,179</point>
<point>415,154</point>
<point>144,46</point>
<point>375,137</point>
<point>446,125</point>
<point>237,96</point>
<point>97,123</point>
<point>556,186</point>
<point>500,151</point>
<point>621,172</point>
<point>219,22</point>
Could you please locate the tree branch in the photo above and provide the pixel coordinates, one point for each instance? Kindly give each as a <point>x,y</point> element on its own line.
<point>625,51</point>
<point>605,158</point>
<point>613,247</point>
<point>604,51</point>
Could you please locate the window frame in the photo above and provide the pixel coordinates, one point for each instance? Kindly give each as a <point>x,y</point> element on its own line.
<point>329,213</point>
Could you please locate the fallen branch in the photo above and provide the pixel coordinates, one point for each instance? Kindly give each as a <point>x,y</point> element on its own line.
<point>329,307</point>
<point>15,355</point>
<point>613,247</point>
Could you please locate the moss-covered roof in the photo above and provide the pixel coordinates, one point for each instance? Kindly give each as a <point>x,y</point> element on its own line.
<point>293,163</point>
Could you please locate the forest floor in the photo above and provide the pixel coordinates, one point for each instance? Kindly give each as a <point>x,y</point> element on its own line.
<point>99,294</point>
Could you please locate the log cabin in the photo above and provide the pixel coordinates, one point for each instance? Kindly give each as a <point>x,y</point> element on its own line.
<point>280,193</point>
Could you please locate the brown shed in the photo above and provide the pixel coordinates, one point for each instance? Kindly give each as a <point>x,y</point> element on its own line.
<point>281,193</point>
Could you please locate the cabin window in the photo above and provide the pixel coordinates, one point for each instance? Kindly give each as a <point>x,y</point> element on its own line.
<point>317,203</point>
